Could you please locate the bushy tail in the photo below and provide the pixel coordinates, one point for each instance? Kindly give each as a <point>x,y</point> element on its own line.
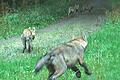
<point>41,62</point>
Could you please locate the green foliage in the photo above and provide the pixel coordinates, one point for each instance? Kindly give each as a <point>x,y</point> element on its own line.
<point>37,16</point>
<point>102,54</point>
<point>104,50</point>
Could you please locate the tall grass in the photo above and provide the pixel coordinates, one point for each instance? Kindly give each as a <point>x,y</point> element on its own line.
<point>102,54</point>
<point>40,16</point>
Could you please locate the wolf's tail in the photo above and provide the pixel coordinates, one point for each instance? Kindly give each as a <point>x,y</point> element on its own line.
<point>41,63</point>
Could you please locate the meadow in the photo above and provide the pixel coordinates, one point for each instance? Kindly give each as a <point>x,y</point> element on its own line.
<point>12,24</point>
<point>102,54</point>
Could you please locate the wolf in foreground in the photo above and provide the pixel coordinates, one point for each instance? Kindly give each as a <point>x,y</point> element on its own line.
<point>63,57</point>
<point>27,37</point>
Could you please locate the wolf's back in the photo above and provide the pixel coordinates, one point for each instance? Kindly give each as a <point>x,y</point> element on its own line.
<point>41,62</point>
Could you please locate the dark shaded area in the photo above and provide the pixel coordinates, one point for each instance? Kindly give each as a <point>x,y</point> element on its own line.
<point>13,5</point>
<point>10,5</point>
<point>107,4</point>
<point>96,6</point>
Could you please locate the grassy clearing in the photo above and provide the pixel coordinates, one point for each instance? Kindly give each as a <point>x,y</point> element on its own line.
<point>16,65</point>
<point>102,54</point>
<point>40,16</point>
<point>104,51</point>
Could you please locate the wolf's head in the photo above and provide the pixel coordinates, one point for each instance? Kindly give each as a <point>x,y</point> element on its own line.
<point>76,6</point>
<point>82,42</point>
<point>33,31</point>
<point>81,39</point>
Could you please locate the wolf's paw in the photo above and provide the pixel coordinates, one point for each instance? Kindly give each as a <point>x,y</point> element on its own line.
<point>88,72</point>
<point>78,74</point>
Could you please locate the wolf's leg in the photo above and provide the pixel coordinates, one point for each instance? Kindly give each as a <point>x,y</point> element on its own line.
<point>29,46</point>
<point>90,9</point>
<point>69,14</point>
<point>76,70</point>
<point>59,65</point>
<point>51,70</point>
<point>87,71</point>
<point>24,44</point>
<point>83,64</point>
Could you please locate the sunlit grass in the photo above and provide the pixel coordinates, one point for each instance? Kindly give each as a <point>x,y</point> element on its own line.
<point>102,54</point>
<point>13,24</point>
<point>16,65</point>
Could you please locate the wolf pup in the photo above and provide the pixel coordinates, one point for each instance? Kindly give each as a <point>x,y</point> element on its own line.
<point>27,37</point>
<point>73,9</point>
<point>63,57</point>
<point>87,8</point>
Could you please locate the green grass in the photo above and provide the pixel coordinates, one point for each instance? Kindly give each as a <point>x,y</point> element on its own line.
<point>102,54</point>
<point>104,50</point>
<point>16,65</point>
<point>12,24</point>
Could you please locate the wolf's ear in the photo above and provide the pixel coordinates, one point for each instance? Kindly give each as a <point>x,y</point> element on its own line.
<point>73,37</point>
<point>34,28</point>
<point>76,5</point>
<point>29,28</point>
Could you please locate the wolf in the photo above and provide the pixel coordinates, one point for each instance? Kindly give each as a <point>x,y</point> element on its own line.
<point>87,8</point>
<point>64,56</point>
<point>27,37</point>
<point>73,9</point>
